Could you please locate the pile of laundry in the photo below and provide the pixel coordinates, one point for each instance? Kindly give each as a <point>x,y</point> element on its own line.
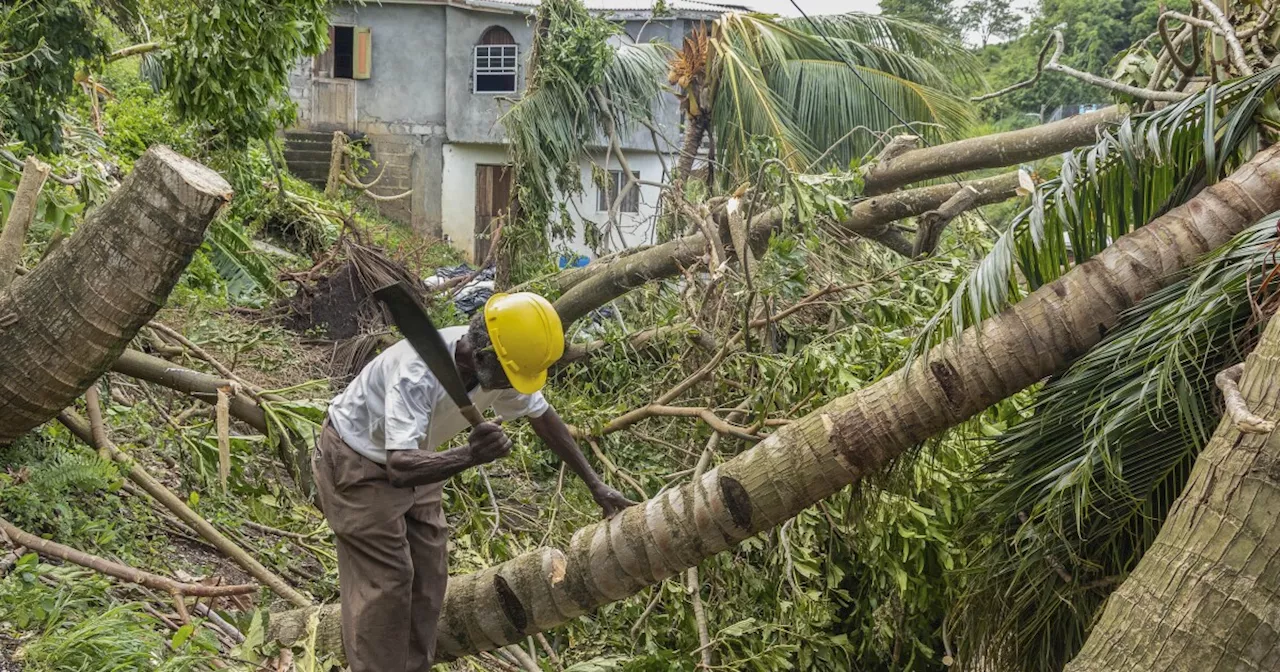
<point>473,293</point>
<point>471,296</point>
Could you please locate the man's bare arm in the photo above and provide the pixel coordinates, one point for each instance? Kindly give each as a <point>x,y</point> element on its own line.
<point>552,430</point>
<point>409,468</point>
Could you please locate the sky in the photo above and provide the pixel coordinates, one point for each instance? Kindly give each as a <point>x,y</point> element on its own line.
<point>812,7</point>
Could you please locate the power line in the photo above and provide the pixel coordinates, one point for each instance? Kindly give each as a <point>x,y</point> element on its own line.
<point>901,119</point>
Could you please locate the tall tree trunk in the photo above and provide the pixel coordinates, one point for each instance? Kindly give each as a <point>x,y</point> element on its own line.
<point>848,438</point>
<point>1204,596</point>
<point>694,131</point>
<point>65,322</point>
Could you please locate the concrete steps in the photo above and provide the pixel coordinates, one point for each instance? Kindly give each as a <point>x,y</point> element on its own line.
<point>306,153</point>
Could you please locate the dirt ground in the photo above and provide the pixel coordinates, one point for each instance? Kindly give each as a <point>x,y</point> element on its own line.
<point>332,308</point>
<point>7,648</point>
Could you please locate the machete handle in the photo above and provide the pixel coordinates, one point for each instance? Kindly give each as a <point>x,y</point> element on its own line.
<point>472,414</point>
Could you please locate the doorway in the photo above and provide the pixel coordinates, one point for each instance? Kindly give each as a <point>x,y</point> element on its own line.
<point>493,202</point>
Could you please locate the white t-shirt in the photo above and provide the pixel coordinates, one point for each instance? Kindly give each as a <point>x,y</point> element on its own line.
<point>396,403</point>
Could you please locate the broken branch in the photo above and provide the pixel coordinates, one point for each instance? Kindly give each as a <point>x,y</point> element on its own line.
<point>165,496</point>
<point>1234,48</point>
<point>1052,65</point>
<point>93,404</point>
<point>124,572</point>
<point>1229,382</point>
<point>931,224</point>
<point>21,214</point>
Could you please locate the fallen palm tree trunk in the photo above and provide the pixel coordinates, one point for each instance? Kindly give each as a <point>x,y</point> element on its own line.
<point>866,218</point>
<point>65,322</point>
<point>1203,596</point>
<point>989,151</point>
<point>849,438</point>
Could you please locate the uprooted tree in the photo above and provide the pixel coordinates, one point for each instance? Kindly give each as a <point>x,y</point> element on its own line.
<point>844,441</point>
<point>1196,163</point>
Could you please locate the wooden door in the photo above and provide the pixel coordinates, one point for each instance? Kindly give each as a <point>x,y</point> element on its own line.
<point>493,202</point>
<point>333,104</point>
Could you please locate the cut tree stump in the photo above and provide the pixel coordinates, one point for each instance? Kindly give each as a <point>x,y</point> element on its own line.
<point>64,323</point>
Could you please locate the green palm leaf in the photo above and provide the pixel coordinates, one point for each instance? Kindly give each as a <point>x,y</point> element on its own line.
<point>1137,171</point>
<point>824,94</point>
<point>551,126</point>
<point>1081,487</point>
<point>789,82</point>
<point>244,270</point>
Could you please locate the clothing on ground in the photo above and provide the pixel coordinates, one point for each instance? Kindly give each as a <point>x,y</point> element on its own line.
<point>396,403</point>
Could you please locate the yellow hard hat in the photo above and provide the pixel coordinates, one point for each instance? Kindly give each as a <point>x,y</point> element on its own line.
<point>527,337</point>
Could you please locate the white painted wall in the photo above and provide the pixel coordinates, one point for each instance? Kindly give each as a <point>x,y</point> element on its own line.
<point>459,198</point>
<point>458,191</point>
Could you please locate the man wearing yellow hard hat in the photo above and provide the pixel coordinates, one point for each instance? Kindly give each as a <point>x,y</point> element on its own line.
<point>380,471</point>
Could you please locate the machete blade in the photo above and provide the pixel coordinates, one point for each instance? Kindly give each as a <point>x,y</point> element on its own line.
<point>425,339</point>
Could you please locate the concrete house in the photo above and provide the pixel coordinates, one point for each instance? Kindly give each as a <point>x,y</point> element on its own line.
<point>425,81</point>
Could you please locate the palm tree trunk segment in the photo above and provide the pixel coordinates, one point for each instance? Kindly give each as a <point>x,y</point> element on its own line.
<point>989,151</point>
<point>65,322</point>
<point>1204,596</point>
<point>850,437</point>
<point>869,218</point>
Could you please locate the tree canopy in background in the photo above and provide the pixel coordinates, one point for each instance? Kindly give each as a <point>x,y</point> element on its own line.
<point>1008,41</point>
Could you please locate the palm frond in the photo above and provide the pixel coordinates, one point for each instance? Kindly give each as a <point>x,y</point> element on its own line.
<point>1137,171</point>
<point>240,265</point>
<point>1082,486</point>
<point>893,34</point>
<point>790,81</point>
<point>633,80</point>
<point>824,95</point>
<point>551,127</point>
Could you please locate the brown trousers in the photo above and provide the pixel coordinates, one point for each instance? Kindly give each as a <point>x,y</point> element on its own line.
<point>392,559</point>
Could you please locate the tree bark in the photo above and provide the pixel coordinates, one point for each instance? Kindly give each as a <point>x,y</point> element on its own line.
<point>202,386</point>
<point>1204,596</point>
<point>21,213</point>
<point>694,131</point>
<point>65,322</point>
<point>989,151</point>
<point>868,218</point>
<point>852,436</point>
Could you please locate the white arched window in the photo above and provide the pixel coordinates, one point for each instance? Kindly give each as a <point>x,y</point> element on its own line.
<point>496,62</point>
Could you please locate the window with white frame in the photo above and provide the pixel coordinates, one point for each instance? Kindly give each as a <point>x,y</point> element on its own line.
<point>496,62</point>
<point>605,197</point>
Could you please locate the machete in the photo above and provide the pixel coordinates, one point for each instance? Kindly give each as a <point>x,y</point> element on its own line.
<point>417,328</point>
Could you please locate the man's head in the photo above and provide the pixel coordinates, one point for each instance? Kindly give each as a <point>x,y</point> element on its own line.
<point>514,340</point>
<point>488,369</point>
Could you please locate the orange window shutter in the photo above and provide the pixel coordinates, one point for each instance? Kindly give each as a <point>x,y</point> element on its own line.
<point>363,65</point>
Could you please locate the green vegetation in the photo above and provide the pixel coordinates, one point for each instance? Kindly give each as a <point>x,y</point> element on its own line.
<point>998,541</point>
